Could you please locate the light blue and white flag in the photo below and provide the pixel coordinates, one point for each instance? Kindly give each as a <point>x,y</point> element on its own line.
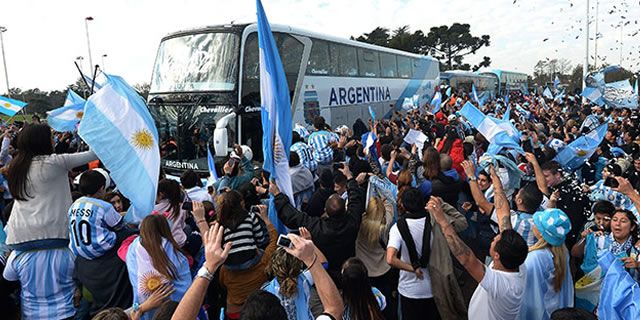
<point>506,99</point>
<point>67,117</point>
<point>594,95</point>
<point>372,113</point>
<point>576,153</point>
<point>276,114</point>
<point>507,114</point>
<point>559,96</point>
<point>118,127</point>
<point>10,106</point>
<point>547,93</point>
<point>635,88</point>
<point>620,293</point>
<point>475,93</point>
<point>436,102</point>
<point>556,83</point>
<point>213,175</point>
<point>501,134</point>
<point>620,94</point>
<point>449,92</point>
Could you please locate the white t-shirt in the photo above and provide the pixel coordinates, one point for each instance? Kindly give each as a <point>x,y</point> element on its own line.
<point>499,295</point>
<point>409,285</point>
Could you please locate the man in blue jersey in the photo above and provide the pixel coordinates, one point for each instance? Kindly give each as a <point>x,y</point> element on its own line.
<point>96,232</point>
<point>304,151</point>
<point>93,222</point>
<point>322,141</point>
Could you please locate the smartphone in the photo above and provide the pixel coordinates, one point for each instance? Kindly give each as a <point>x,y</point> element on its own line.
<point>338,166</point>
<point>611,182</point>
<point>595,228</point>
<point>284,241</point>
<point>255,209</point>
<point>187,205</point>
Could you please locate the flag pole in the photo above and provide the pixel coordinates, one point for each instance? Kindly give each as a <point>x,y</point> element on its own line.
<point>82,76</point>
<point>93,81</point>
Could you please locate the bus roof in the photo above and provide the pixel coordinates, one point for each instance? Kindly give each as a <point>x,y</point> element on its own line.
<point>283,28</point>
<point>463,73</point>
<point>499,72</point>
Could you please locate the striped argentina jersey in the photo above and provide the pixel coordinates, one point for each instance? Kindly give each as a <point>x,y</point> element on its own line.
<point>46,279</point>
<point>91,222</point>
<point>306,155</point>
<point>522,223</point>
<point>320,142</point>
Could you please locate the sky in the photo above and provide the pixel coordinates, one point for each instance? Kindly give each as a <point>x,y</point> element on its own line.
<point>44,37</point>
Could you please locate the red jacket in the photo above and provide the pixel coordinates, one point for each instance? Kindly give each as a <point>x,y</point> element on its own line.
<point>457,156</point>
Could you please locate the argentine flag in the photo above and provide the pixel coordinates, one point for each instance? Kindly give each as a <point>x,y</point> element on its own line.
<point>436,102</point>
<point>500,133</point>
<point>556,82</point>
<point>576,153</point>
<point>276,114</point>
<point>594,95</point>
<point>213,175</point>
<point>10,106</point>
<point>119,129</point>
<point>66,118</point>
<point>547,93</point>
<point>475,93</point>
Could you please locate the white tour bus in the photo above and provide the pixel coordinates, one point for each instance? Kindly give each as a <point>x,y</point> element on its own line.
<point>508,80</point>
<point>205,87</point>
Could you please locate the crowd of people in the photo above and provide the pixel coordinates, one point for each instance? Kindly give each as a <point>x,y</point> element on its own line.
<point>380,227</point>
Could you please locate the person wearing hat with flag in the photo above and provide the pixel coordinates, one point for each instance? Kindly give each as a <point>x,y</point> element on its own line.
<point>549,282</point>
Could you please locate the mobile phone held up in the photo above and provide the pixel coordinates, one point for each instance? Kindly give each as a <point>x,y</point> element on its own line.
<point>284,241</point>
<point>187,205</point>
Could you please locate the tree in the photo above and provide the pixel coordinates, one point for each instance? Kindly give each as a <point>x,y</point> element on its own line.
<point>452,44</point>
<point>143,89</point>
<point>379,36</point>
<point>447,44</point>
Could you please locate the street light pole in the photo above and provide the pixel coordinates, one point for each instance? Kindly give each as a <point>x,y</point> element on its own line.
<point>585,70</point>
<point>4,60</point>
<point>103,63</point>
<point>86,27</point>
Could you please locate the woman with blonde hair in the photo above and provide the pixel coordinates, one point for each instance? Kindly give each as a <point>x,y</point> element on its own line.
<point>549,282</point>
<point>290,283</point>
<point>371,243</point>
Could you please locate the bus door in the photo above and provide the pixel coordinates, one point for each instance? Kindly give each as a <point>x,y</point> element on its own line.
<point>294,51</point>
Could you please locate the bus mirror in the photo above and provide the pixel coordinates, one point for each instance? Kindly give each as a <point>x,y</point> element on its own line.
<point>220,136</point>
<point>220,141</point>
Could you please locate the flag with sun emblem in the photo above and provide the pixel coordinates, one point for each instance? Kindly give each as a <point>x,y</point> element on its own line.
<point>118,127</point>
<point>67,117</point>
<point>276,114</point>
<point>10,106</point>
<point>146,279</point>
<point>576,153</point>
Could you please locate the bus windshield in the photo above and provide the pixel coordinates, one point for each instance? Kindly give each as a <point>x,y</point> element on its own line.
<point>197,62</point>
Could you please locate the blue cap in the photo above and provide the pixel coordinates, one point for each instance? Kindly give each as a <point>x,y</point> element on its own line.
<point>553,224</point>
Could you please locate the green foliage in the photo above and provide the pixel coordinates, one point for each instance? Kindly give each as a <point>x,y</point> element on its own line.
<point>450,45</point>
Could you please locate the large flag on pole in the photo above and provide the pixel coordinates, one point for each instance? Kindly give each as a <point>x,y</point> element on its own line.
<point>576,153</point>
<point>276,114</point>
<point>475,93</point>
<point>118,127</point>
<point>436,102</point>
<point>10,106</point>
<point>500,133</point>
<point>67,117</point>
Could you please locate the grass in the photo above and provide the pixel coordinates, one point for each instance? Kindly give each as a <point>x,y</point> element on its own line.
<point>17,117</point>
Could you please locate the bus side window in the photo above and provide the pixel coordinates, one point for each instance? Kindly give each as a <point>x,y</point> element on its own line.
<point>319,58</point>
<point>343,60</point>
<point>368,62</point>
<point>404,67</point>
<point>388,65</point>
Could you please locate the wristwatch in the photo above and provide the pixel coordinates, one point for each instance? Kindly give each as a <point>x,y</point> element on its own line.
<point>204,273</point>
